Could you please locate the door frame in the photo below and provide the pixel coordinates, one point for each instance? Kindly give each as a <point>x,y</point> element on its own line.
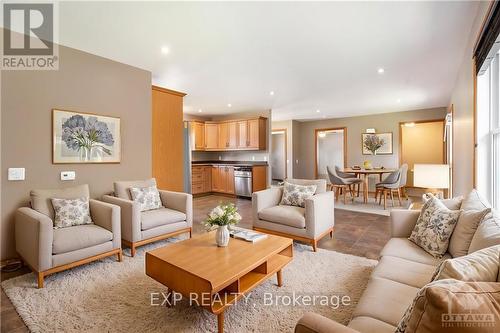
<point>316,130</point>
<point>286,147</point>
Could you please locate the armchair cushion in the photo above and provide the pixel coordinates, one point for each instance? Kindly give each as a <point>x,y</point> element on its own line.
<point>122,188</point>
<point>147,197</point>
<point>79,237</point>
<point>288,215</point>
<point>296,195</point>
<point>157,217</point>
<point>71,212</point>
<point>41,199</point>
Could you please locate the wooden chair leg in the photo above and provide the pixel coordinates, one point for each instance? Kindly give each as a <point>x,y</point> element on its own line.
<point>331,233</point>
<point>119,256</point>
<point>132,250</point>
<point>345,201</point>
<point>392,197</point>
<point>315,245</point>
<point>40,278</point>
<point>399,197</point>
<point>385,199</point>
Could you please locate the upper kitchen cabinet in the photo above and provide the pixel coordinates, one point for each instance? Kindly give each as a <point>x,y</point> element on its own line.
<point>242,134</point>
<point>198,135</point>
<point>211,136</point>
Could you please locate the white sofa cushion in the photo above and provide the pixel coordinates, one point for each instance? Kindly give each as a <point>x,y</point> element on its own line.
<point>406,249</point>
<point>478,266</point>
<point>474,201</point>
<point>385,300</point>
<point>466,226</point>
<point>401,270</point>
<point>487,233</point>
<point>157,217</point>
<point>79,237</point>
<point>370,325</point>
<point>287,215</point>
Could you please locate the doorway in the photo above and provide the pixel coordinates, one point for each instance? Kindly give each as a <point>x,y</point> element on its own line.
<point>421,142</point>
<point>278,156</point>
<point>331,145</point>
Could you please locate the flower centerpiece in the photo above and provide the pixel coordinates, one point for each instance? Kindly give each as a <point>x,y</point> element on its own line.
<point>373,143</point>
<point>221,217</point>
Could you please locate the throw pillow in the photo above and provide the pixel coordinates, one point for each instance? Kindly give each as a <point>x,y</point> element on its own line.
<point>479,266</point>
<point>71,212</point>
<point>451,204</point>
<point>296,195</point>
<point>464,231</point>
<point>487,233</point>
<point>434,227</point>
<point>147,197</point>
<point>474,201</point>
<point>453,306</point>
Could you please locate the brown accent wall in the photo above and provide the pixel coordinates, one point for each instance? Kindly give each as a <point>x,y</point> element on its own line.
<point>84,82</point>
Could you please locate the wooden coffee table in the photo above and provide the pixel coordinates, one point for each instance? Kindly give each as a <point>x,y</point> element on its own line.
<point>221,275</point>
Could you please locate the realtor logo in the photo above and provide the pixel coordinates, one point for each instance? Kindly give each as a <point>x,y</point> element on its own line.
<point>29,37</point>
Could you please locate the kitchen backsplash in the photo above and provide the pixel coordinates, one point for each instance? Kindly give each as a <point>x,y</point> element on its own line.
<point>230,156</point>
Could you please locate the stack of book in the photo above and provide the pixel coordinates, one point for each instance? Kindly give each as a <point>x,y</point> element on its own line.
<point>246,235</point>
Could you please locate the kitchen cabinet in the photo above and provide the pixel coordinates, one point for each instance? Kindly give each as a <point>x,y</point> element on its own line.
<point>198,135</point>
<point>201,179</point>
<point>242,134</point>
<point>211,136</point>
<point>223,179</point>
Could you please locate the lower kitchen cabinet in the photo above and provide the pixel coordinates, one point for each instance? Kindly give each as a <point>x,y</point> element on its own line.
<point>201,179</point>
<point>223,179</point>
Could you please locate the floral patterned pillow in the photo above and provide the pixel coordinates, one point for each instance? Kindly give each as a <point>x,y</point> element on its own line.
<point>71,212</point>
<point>147,197</point>
<point>434,227</point>
<point>296,195</point>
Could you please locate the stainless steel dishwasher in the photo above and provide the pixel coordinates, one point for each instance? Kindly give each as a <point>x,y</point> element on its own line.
<point>243,181</point>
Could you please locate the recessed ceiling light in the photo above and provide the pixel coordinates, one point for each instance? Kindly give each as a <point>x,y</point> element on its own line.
<point>229,105</point>
<point>398,100</point>
<point>199,110</point>
<point>318,111</point>
<point>271,93</point>
<point>165,50</point>
<point>380,70</point>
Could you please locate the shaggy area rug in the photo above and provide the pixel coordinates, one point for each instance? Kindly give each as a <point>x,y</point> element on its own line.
<point>109,296</point>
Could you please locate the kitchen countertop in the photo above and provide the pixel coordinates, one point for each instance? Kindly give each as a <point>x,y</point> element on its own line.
<point>237,163</point>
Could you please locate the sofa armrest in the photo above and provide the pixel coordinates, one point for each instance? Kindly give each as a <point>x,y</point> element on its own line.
<point>107,215</point>
<point>34,235</point>
<point>403,221</point>
<point>315,323</point>
<point>320,214</point>
<point>182,202</point>
<point>130,213</point>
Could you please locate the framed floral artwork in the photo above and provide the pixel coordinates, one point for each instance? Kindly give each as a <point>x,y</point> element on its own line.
<point>85,138</point>
<point>376,143</point>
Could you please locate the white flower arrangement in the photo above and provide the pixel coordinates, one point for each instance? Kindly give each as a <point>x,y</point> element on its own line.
<point>223,214</point>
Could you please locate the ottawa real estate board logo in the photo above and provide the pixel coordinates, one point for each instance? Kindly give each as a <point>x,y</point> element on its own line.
<point>29,36</point>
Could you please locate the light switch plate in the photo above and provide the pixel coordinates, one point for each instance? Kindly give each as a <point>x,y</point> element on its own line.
<point>68,175</point>
<point>16,174</point>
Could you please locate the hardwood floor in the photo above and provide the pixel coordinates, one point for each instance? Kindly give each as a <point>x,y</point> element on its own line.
<point>355,233</point>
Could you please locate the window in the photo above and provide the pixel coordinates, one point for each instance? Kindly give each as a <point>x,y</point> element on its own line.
<point>488,131</point>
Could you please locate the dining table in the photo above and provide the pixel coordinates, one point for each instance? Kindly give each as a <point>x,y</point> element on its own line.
<point>365,174</point>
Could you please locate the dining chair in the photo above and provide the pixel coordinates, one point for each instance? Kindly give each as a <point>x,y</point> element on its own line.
<point>402,181</point>
<point>388,186</point>
<point>344,175</point>
<point>342,184</point>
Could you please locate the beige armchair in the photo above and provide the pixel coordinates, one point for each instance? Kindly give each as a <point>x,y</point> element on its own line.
<point>140,228</point>
<point>47,250</point>
<point>308,224</point>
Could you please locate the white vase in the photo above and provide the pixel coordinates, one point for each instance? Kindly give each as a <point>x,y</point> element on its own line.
<point>222,236</point>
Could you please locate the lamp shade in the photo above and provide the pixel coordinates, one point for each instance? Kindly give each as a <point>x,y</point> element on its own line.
<point>431,176</point>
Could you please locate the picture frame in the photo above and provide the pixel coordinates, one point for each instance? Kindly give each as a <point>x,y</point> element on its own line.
<point>85,138</point>
<point>387,147</point>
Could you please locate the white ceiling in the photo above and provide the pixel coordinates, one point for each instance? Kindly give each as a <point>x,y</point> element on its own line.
<point>312,55</point>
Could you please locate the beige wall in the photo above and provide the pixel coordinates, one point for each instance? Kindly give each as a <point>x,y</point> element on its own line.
<point>422,143</point>
<point>462,99</point>
<point>86,83</point>
<point>387,122</point>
